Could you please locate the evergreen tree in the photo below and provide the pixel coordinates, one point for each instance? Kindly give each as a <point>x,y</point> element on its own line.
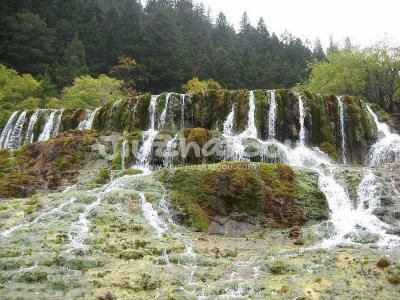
<point>74,62</point>
<point>26,43</point>
<point>318,51</point>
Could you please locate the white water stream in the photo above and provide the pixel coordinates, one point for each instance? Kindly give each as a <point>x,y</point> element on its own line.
<point>302,134</point>
<point>272,116</point>
<point>88,122</point>
<point>387,148</point>
<point>342,129</point>
<point>32,122</point>
<point>5,135</point>
<point>15,138</point>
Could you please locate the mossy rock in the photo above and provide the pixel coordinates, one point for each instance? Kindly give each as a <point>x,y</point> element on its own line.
<point>274,193</point>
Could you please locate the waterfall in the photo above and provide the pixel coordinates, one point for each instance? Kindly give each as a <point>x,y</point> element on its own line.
<point>342,129</point>
<point>228,124</point>
<point>251,129</point>
<point>235,149</point>
<point>387,148</point>
<point>5,135</point>
<point>346,219</point>
<point>236,144</point>
<point>151,215</point>
<point>57,124</point>
<point>183,97</point>
<point>15,138</point>
<point>272,116</point>
<point>169,152</point>
<point>302,134</point>
<point>368,194</point>
<point>32,122</point>
<point>125,145</point>
<point>149,135</point>
<point>152,110</point>
<point>48,127</point>
<point>163,116</point>
<point>88,122</point>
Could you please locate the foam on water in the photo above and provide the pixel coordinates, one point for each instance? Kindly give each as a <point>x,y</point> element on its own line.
<point>387,148</point>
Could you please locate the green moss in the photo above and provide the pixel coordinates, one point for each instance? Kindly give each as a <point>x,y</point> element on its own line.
<point>131,254</point>
<point>103,176</point>
<point>71,118</point>
<point>130,172</point>
<point>278,267</point>
<point>34,276</point>
<point>117,162</point>
<point>273,192</point>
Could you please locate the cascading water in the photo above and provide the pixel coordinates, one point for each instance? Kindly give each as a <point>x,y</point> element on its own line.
<point>302,134</point>
<point>342,129</point>
<point>228,124</point>
<point>57,124</point>
<point>15,138</point>
<point>5,135</point>
<point>88,122</point>
<point>272,116</point>
<point>149,135</point>
<point>387,148</point>
<point>236,149</point>
<point>251,129</point>
<point>368,194</point>
<point>163,116</point>
<point>124,151</point>
<point>80,229</point>
<point>183,98</point>
<point>169,152</point>
<point>151,215</point>
<point>32,122</point>
<point>48,127</point>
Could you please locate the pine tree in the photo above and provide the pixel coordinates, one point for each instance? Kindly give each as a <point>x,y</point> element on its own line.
<point>74,63</point>
<point>318,51</point>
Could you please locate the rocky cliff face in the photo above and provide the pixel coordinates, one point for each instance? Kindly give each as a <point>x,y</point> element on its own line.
<point>209,110</point>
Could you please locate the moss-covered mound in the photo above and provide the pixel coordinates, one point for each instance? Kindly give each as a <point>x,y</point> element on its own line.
<point>45,165</point>
<point>239,195</point>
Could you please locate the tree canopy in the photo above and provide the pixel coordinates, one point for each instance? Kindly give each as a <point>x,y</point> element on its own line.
<point>171,41</point>
<point>372,73</point>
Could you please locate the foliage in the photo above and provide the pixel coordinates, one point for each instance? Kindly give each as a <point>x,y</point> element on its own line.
<point>89,92</point>
<point>17,92</point>
<point>371,73</point>
<point>129,72</point>
<point>195,85</point>
<point>172,41</point>
<point>26,42</point>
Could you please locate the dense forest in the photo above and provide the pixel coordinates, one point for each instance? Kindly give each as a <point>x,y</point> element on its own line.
<point>83,53</point>
<point>172,41</point>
